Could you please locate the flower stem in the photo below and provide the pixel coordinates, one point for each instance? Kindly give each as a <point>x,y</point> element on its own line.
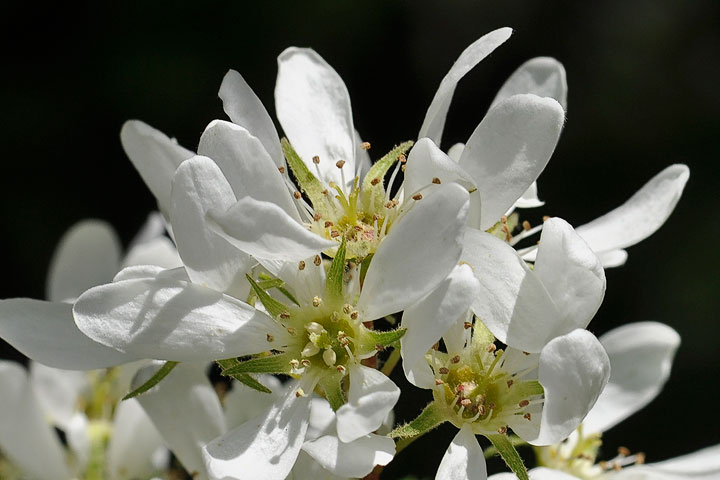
<point>391,362</point>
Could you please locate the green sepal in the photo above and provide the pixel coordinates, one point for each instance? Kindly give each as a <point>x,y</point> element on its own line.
<point>432,416</point>
<point>266,282</point>
<point>386,338</point>
<point>274,307</point>
<point>152,381</point>
<point>243,378</point>
<point>514,440</point>
<point>336,272</point>
<point>528,388</point>
<point>481,336</point>
<point>309,184</point>
<point>378,170</point>
<point>508,453</point>
<point>364,266</point>
<point>268,364</point>
<point>332,386</point>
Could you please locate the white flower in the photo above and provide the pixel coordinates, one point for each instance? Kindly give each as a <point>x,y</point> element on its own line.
<point>43,398</point>
<point>552,371</point>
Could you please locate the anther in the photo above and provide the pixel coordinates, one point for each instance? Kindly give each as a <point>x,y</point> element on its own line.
<point>436,181</point>
<point>465,402</point>
<point>623,451</point>
<point>417,196</point>
<point>305,362</point>
<point>325,192</point>
<point>340,163</point>
<point>316,301</point>
<point>317,217</point>
<point>639,458</point>
<point>347,308</point>
<point>328,224</point>
<point>317,260</point>
<point>455,359</point>
<point>402,158</point>
<point>467,325</point>
<point>491,348</point>
<point>443,370</point>
<point>297,194</point>
<point>292,331</point>
<point>354,315</point>
<point>503,219</point>
<point>374,181</point>
<point>527,416</point>
<point>502,430</point>
<point>439,382</point>
<point>341,369</point>
<point>334,233</point>
<point>389,205</point>
<point>294,363</point>
<point>301,265</point>
<point>526,225</point>
<point>270,338</point>
<point>546,218</point>
<point>300,393</point>
<point>526,353</point>
<point>284,315</point>
<point>481,410</point>
<point>316,159</point>
<point>379,348</point>
<point>281,169</point>
<point>334,317</point>
<point>524,403</point>
<point>365,145</point>
<point>402,169</point>
<point>510,383</point>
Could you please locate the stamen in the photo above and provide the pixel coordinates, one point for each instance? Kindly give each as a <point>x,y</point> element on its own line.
<point>316,301</point>
<point>317,260</point>
<point>270,338</point>
<point>300,393</point>
<point>365,145</point>
<point>305,362</point>
<point>341,369</point>
<point>301,265</point>
<point>417,196</point>
<point>436,181</point>
<point>502,430</point>
<point>374,181</point>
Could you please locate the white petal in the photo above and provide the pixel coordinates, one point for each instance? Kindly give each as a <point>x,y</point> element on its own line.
<point>313,106</point>
<point>641,356</point>
<point>372,395</point>
<point>573,370</point>
<point>186,395</point>
<point>512,303</point>
<point>265,447</point>
<point>322,419</point>
<point>355,459</point>
<point>24,435</point>
<point>612,258</point>
<point>46,332</point>
<point>264,230</point>
<point>702,465</point>
<point>246,164</point>
<point>418,253</point>
<point>159,251</point>
<point>87,255</point>
<point>78,439</point>
<point>641,215</point>
<point>434,122</point>
<point>154,227</point>
<point>529,199</point>
<point>243,403</point>
<point>541,76</point>
<point>168,319</point>
<point>155,156</point>
<point>429,319</point>
<point>427,162</point>
<point>509,150</point>
<point>199,186</point>
<point>536,474</point>
<point>571,274</point>
<point>463,459</point>
<point>307,468</point>
<point>455,152</point>
<point>245,109</point>
<point>133,444</point>
<point>58,391</point>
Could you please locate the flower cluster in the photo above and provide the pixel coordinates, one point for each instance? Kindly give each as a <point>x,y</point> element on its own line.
<point>303,272</point>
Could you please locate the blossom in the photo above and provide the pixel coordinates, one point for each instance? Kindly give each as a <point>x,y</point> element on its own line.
<point>552,371</point>
<point>45,397</point>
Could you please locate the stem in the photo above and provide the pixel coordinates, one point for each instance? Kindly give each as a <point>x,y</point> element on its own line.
<point>391,362</point>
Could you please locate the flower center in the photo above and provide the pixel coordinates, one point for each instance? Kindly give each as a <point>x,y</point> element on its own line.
<point>479,386</point>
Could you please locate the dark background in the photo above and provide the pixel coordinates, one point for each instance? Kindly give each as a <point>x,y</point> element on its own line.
<point>643,80</point>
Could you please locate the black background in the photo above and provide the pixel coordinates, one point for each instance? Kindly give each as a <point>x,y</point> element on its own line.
<point>643,93</point>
